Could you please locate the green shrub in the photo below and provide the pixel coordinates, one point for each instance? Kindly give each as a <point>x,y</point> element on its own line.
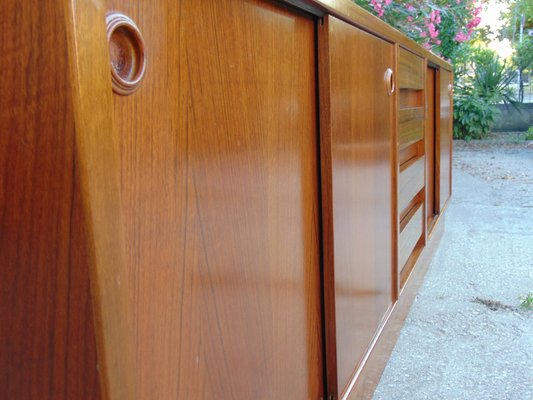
<point>527,301</point>
<point>529,133</point>
<point>473,117</point>
<point>486,84</point>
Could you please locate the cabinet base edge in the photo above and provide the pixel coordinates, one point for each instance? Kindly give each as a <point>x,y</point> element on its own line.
<point>367,379</point>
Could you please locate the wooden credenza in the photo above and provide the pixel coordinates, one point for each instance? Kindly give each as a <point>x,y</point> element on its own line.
<point>246,224</point>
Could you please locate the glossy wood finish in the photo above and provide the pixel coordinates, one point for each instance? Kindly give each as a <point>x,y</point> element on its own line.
<point>411,152</point>
<point>411,98</point>
<point>445,138</point>
<point>220,198</point>
<point>378,358</point>
<point>431,209</point>
<point>98,161</point>
<point>410,183</point>
<point>356,130</point>
<point>171,240</point>
<point>410,234</point>
<point>410,71</point>
<point>410,126</point>
<point>47,338</point>
<point>126,53</point>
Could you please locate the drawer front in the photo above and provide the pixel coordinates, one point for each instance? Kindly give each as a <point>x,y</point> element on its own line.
<point>410,235</point>
<point>411,182</point>
<point>410,71</point>
<point>410,126</point>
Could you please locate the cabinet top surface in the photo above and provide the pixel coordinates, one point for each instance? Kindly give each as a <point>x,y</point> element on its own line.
<point>357,16</point>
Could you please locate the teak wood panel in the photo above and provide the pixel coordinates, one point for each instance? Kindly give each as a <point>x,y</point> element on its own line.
<point>47,331</point>
<point>356,132</point>
<point>411,98</point>
<point>410,235</point>
<point>445,138</point>
<point>220,198</point>
<point>410,126</point>
<point>410,70</point>
<point>410,183</point>
<point>430,134</point>
<point>410,153</point>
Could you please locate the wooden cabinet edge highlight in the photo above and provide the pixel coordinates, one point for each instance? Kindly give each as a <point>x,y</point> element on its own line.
<point>357,16</point>
<point>328,258</point>
<point>98,162</point>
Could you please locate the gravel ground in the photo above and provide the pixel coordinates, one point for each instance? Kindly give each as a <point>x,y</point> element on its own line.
<point>466,338</point>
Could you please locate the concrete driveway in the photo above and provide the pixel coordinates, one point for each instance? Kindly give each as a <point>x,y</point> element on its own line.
<point>466,338</point>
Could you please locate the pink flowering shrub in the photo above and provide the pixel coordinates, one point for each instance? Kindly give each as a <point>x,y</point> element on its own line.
<point>440,25</point>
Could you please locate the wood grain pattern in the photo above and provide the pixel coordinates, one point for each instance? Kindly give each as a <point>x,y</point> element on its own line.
<point>411,98</point>
<point>356,129</point>
<point>220,197</point>
<point>411,71</point>
<point>431,209</point>
<point>445,138</point>
<point>410,234</point>
<point>47,345</point>
<point>97,154</point>
<point>410,183</point>
<point>411,152</point>
<point>410,126</point>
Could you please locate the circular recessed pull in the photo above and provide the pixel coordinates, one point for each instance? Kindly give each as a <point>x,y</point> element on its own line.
<point>389,81</point>
<point>126,51</point>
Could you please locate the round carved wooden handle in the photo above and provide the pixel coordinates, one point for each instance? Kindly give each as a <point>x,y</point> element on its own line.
<point>126,51</point>
<point>389,81</point>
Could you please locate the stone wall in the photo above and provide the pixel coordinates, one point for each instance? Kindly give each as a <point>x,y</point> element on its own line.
<point>508,119</point>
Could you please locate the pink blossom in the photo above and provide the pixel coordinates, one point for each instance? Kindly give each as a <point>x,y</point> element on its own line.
<point>462,37</point>
<point>387,2</point>
<point>423,34</point>
<point>475,22</point>
<point>437,16</point>
<point>409,18</point>
<point>409,7</point>
<point>378,7</point>
<point>433,33</point>
<point>426,46</point>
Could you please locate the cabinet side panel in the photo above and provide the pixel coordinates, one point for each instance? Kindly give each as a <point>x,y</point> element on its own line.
<point>431,210</point>
<point>445,139</point>
<point>220,198</point>
<point>47,345</point>
<point>361,148</point>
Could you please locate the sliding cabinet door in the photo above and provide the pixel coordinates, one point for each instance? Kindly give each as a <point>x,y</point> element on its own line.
<point>356,131</point>
<point>220,199</point>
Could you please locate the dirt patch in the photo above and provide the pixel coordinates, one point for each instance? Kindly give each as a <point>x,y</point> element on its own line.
<point>500,140</point>
<point>494,305</point>
<point>504,160</point>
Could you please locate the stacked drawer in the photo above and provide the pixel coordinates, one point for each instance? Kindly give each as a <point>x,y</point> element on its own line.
<point>411,197</point>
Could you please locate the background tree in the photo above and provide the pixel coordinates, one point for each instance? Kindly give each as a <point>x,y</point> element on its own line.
<point>523,60</point>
